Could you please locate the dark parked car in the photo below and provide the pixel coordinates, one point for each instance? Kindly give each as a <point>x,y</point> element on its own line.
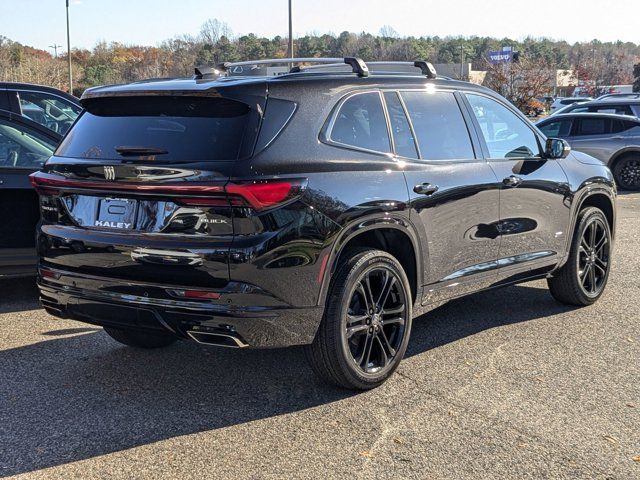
<point>24,147</point>
<point>319,208</point>
<point>33,119</point>
<point>621,105</point>
<point>614,139</point>
<point>47,106</point>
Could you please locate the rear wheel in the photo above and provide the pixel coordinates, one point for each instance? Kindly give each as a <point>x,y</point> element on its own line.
<point>626,172</point>
<point>367,322</point>
<point>135,338</point>
<point>582,280</point>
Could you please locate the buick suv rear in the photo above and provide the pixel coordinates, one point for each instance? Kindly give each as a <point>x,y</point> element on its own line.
<point>324,207</point>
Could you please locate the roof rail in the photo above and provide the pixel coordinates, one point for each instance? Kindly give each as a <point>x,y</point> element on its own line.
<point>357,65</point>
<point>425,67</point>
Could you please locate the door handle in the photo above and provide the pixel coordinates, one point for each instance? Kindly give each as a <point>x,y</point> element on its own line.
<point>425,189</point>
<point>512,181</point>
<point>618,137</point>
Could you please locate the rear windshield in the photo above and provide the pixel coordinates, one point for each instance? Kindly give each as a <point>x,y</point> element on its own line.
<point>175,129</point>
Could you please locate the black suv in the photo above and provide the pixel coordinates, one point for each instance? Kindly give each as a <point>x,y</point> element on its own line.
<point>320,207</point>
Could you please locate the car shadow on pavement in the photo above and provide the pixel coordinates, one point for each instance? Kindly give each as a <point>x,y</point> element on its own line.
<point>18,294</point>
<point>473,314</point>
<point>77,394</point>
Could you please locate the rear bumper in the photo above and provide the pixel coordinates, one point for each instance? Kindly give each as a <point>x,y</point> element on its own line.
<point>246,315</point>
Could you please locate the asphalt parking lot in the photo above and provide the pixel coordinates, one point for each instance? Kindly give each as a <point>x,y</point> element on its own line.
<point>503,384</point>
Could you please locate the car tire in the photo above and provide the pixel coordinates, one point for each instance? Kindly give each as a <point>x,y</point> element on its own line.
<point>363,336</point>
<point>626,172</point>
<point>583,278</point>
<point>135,338</point>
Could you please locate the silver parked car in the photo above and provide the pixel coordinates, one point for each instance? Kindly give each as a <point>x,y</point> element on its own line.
<point>619,104</point>
<point>614,139</point>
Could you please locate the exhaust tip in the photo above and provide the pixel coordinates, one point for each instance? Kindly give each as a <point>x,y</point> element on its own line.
<point>217,339</point>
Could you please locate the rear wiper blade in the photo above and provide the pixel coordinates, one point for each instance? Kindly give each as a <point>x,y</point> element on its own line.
<point>136,151</point>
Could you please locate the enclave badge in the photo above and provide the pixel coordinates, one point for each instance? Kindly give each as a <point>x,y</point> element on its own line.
<point>109,173</point>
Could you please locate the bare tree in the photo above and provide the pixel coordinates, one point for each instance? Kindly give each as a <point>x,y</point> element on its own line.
<point>521,82</point>
<point>213,29</point>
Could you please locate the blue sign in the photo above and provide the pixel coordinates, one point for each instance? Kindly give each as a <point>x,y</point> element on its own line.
<point>504,56</point>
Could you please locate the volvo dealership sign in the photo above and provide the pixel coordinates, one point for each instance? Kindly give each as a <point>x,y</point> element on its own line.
<point>503,56</point>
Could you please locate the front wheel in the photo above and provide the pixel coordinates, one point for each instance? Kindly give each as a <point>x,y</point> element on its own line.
<point>367,322</point>
<point>581,281</point>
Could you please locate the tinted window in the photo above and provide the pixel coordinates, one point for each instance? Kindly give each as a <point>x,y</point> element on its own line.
<point>506,135</point>
<point>578,109</point>
<point>361,123</point>
<point>593,126</point>
<point>439,125</point>
<point>402,136</point>
<point>169,129</point>
<point>55,113</point>
<point>631,128</point>
<point>557,129</point>
<point>620,109</point>
<point>23,148</point>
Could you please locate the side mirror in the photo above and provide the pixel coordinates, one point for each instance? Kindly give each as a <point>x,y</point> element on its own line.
<point>556,148</point>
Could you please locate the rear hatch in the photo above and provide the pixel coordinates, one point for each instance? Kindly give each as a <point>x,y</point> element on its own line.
<point>138,188</point>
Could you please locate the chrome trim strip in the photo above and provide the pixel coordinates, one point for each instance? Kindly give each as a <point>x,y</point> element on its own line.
<point>238,342</point>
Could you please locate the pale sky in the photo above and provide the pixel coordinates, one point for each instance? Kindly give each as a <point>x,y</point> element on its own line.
<point>41,23</point>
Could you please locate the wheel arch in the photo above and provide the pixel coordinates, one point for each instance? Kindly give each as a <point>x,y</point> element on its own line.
<point>605,203</point>
<point>393,236</point>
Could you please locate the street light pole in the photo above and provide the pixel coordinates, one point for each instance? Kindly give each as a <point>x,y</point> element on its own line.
<point>69,52</point>
<point>290,31</point>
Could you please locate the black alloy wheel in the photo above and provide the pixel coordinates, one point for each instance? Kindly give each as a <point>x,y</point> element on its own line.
<point>627,173</point>
<point>583,278</point>
<point>593,257</point>
<point>367,321</point>
<point>376,318</point>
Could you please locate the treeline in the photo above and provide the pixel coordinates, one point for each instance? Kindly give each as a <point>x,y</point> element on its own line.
<point>607,63</point>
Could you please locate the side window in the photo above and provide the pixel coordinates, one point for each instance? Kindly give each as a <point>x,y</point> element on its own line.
<point>23,148</point>
<point>619,109</point>
<point>579,110</point>
<point>439,125</point>
<point>631,128</point>
<point>402,136</point>
<point>506,135</point>
<point>557,129</point>
<point>361,123</point>
<point>636,110</point>
<point>593,126</point>
<point>51,111</point>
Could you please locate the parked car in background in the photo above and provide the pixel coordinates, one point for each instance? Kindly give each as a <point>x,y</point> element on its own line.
<point>33,119</point>
<point>618,105</point>
<point>24,147</point>
<point>559,103</point>
<point>619,96</point>
<point>274,211</point>
<point>614,139</point>
<point>47,106</point>
<point>563,109</point>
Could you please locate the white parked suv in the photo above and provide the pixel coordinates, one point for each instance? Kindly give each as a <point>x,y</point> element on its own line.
<point>563,102</point>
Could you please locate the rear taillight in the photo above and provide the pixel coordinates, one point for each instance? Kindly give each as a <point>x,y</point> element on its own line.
<point>259,195</point>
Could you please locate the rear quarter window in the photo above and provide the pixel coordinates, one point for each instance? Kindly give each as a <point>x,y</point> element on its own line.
<point>360,122</point>
<point>180,129</point>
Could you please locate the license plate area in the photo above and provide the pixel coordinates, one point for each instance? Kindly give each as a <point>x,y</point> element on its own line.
<point>116,213</point>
